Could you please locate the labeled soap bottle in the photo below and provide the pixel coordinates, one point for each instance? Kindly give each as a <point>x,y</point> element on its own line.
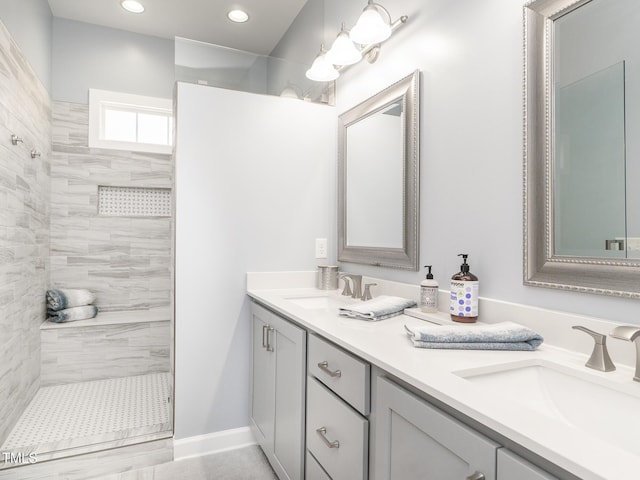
<point>429,293</point>
<point>464,294</point>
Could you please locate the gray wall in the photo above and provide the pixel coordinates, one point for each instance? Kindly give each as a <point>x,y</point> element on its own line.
<point>301,43</point>
<point>29,23</point>
<point>89,56</point>
<point>297,49</point>
<point>24,229</point>
<point>470,56</point>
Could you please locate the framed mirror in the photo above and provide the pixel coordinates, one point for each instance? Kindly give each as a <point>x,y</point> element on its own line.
<point>582,119</point>
<point>378,184</point>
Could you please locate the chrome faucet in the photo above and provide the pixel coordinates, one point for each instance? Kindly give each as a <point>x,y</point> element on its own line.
<point>346,291</point>
<point>630,334</point>
<point>357,284</point>
<point>366,295</point>
<point>599,359</point>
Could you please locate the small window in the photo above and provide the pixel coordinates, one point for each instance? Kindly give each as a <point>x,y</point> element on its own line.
<point>123,121</point>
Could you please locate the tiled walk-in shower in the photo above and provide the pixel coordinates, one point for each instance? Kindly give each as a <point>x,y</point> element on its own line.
<point>91,218</point>
<point>87,413</point>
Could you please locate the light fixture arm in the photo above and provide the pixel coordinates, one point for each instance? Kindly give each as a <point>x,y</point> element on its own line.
<point>372,51</point>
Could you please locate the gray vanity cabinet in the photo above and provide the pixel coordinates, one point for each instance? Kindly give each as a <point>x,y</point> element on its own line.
<point>416,441</point>
<point>277,409</point>
<point>338,404</point>
<point>513,467</point>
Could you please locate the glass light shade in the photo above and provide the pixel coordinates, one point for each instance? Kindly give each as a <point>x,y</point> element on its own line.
<point>322,70</point>
<point>289,92</point>
<point>373,26</point>
<point>343,51</point>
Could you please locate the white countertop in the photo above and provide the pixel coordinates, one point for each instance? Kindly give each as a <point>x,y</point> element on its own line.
<point>386,345</point>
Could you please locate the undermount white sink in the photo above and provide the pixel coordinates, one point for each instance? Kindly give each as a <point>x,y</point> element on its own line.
<point>316,302</point>
<point>321,300</point>
<point>586,402</point>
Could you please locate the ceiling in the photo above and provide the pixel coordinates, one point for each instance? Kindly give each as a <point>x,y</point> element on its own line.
<point>203,20</point>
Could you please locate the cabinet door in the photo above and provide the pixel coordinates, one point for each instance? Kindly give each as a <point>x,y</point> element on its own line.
<point>513,467</point>
<point>416,441</point>
<point>262,395</point>
<point>289,348</point>
<point>278,369</point>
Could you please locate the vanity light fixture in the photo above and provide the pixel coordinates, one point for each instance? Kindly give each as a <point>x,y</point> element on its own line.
<point>363,41</point>
<point>292,91</point>
<point>343,51</point>
<point>373,26</point>
<point>322,70</point>
<point>238,16</point>
<point>132,6</point>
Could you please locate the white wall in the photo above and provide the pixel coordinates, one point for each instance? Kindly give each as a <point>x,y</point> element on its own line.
<point>29,22</point>
<point>255,185</point>
<point>90,56</point>
<point>470,56</point>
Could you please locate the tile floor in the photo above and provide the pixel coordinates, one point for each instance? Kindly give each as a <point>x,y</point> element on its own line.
<point>247,463</point>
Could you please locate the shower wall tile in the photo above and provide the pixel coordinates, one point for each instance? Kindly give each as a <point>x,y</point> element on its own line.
<point>78,354</point>
<point>126,261</point>
<point>25,110</point>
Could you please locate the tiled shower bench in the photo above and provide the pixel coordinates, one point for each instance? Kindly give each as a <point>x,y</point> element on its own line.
<point>114,344</point>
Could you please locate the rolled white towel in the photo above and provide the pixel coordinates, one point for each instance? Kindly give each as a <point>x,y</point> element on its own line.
<point>59,299</point>
<point>74,313</point>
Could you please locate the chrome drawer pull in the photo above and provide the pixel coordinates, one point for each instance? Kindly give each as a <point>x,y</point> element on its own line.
<point>264,335</point>
<point>269,346</point>
<point>324,366</point>
<point>266,340</point>
<point>335,444</point>
<point>476,476</point>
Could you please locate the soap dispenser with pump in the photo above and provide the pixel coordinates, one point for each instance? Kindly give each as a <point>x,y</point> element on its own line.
<point>464,294</point>
<point>429,293</point>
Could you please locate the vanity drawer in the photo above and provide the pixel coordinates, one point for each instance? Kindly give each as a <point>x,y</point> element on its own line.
<point>341,447</point>
<point>352,381</point>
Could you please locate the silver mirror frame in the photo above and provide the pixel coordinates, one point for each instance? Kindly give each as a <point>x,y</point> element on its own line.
<point>542,268</point>
<point>405,258</point>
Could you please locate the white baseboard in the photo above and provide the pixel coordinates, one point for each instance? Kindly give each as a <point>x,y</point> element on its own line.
<point>212,443</point>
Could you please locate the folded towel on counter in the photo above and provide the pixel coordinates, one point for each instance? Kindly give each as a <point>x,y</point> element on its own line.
<point>496,336</point>
<point>69,297</point>
<point>379,308</point>
<point>74,313</point>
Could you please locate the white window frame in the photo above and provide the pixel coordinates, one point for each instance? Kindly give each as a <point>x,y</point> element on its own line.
<point>99,99</point>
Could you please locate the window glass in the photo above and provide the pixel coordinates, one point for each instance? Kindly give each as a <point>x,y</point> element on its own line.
<point>153,128</point>
<point>123,121</point>
<point>119,125</point>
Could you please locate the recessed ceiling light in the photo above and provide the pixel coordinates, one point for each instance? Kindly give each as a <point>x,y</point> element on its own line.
<point>238,16</point>
<point>132,6</point>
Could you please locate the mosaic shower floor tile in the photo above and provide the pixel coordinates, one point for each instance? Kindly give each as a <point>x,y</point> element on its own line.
<point>85,413</point>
